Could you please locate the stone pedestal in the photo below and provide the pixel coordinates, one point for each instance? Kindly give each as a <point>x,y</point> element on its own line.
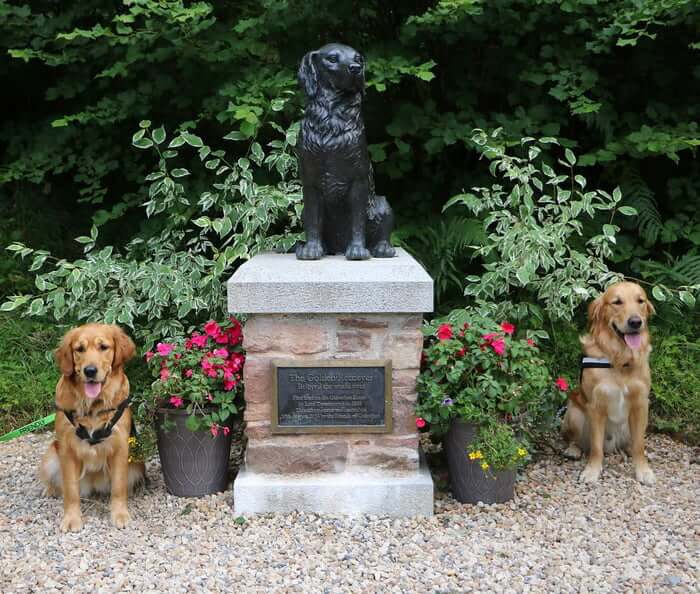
<point>332,309</point>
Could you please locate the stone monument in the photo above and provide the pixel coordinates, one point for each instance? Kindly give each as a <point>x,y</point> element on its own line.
<point>333,345</point>
<point>333,353</point>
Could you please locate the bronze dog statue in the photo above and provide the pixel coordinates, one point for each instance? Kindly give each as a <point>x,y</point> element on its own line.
<point>342,214</point>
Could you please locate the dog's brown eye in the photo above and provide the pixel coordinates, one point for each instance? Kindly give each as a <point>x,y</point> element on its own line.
<point>617,302</point>
<point>80,349</point>
<point>104,347</point>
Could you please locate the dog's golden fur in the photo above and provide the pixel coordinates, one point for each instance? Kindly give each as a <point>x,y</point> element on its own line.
<point>610,410</point>
<point>71,466</point>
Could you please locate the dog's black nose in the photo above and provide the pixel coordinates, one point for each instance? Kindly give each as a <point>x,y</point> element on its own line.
<point>635,322</point>
<point>355,68</point>
<point>90,371</point>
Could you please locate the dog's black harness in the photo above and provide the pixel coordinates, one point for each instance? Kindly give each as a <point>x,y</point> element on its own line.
<point>102,433</point>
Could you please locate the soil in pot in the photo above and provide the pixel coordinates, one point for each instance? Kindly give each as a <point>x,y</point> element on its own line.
<point>194,463</point>
<point>469,483</point>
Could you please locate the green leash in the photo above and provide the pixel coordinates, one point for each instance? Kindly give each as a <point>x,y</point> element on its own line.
<point>28,428</point>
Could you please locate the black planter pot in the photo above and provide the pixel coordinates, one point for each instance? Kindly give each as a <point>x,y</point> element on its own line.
<point>469,483</point>
<point>194,463</point>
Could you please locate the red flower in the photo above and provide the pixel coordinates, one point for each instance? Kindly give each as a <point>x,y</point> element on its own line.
<point>149,356</point>
<point>531,342</point>
<point>444,332</point>
<point>508,328</point>
<point>222,353</point>
<point>227,430</point>
<point>461,352</point>
<point>214,430</point>
<point>466,326</point>
<point>188,373</point>
<point>235,335</point>
<point>176,401</point>
<point>562,384</point>
<point>499,346</point>
<point>188,344</point>
<point>212,329</point>
<point>199,340</point>
<point>164,374</point>
<point>420,423</point>
<point>229,385</point>
<point>489,337</point>
<point>222,339</point>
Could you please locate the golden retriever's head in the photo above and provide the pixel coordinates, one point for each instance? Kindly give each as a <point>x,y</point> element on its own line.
<point>624,308</point>
<point>93,352</point>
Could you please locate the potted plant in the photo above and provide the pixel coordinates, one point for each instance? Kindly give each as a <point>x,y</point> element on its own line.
<point>193,403</point>
<point>486,393</point>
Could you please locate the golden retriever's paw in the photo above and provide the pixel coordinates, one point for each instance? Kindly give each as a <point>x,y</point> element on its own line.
<point>72,523</point>
<point>120,518</point>
<point>573,452</point>
<point>644,475</point>
<point>590,474</point>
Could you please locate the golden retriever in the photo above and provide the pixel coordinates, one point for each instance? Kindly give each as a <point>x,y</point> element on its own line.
<point>610,410</point>
<point>89,454</point>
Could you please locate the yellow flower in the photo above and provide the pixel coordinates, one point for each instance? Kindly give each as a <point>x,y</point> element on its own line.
<point>131,459</point>
<point>522,452</point>
<point>476,455</point>
<point>132,441</point>
<point>484,465</point>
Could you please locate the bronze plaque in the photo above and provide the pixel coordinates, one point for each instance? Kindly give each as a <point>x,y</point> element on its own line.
<point>331,396</point>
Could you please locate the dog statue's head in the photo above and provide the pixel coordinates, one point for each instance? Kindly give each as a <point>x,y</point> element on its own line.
<point>336,67</point>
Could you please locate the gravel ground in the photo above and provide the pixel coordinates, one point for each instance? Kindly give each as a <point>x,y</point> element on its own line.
<point>556,536</point>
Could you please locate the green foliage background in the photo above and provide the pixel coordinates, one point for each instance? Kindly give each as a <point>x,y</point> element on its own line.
<point>617,81</point>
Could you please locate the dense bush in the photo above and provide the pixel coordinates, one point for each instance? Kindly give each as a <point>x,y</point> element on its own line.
<point>617,81</point>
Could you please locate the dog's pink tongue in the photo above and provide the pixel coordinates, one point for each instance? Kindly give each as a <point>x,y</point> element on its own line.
<point>92,390</point>
<point>634,341</point>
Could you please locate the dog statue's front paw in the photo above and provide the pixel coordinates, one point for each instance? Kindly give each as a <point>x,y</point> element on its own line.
<point>591,473</point>
<point>644,474</point>
<point>383,250</point>
<point>72,523</point>
<point>120,518</point>
<point>357,251</point>
<point>311,250</point>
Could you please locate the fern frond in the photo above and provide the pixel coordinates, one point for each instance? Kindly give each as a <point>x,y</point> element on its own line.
<point>638,194</point>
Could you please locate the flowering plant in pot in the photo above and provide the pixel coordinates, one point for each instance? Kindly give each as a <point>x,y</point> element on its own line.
<point>193,400</point>
<point>487,393</point>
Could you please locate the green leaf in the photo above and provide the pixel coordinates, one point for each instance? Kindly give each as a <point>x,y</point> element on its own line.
<point>658,293</point>
<point>570,157</point>
<point>628,211</point>
<point>192,139</point>
<point>143,143</point>
<point>688,298</point>
<point>145,124</point>
<point>158,135</point>
<point>180,172</point>
<point>176,142</point>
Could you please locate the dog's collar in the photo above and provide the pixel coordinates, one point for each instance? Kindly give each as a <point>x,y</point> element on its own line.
<point>103,432</point>
<point>596,363</point>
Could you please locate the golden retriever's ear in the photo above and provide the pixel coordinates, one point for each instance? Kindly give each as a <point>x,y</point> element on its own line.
<point>595,311</point>
<point>307,75</point>
<point>651,310</point>
<point>124,347</point>
<point>64,354</point>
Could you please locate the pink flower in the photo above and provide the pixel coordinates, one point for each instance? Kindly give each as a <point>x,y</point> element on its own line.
<point>562,384</point>
<point>508,328</point>
<point>210,397</point>
<point>222,339</point>
<point>420,423</point>
<point>176,401</point>
<point>531,342</point>
<point>499,346</point>
<point>227,430</point>
<point>165,348</point>
<point>199,340</point>
<point>214,430</point>
<point>490,337</point>
<point>229,385</point>
<point>164,374</point>
<point>444,332</point>
<point>222,353</point>
<point>236,361</point>
<point>206,364</point>
<point>211,372</point>
<point>188,373</point>
<point>212,329</point>
<point>149,356</point>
